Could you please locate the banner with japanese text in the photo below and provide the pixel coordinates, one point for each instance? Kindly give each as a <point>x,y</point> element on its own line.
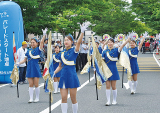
<point>10,21</point>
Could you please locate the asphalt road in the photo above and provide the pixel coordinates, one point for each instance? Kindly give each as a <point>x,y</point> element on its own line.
<point>146,100</point>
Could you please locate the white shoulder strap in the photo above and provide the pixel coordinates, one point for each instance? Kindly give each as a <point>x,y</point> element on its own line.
<point>54,58</point>
<point>112,59</point>
<point>135,56</point>
<point>65,61</point>
<point>33,57</point>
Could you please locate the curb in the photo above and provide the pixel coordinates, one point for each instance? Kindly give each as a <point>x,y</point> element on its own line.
<point>156,59</point>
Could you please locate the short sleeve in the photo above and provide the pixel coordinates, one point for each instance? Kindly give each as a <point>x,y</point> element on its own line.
<point>76,51</point>
<point>26,55</point>
<point>103,54</point>
<point>40,49</point>
<point>59,57</point>
<point>117,49</point>
<point>105,47</point>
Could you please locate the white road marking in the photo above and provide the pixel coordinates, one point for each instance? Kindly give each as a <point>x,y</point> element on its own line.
<point>4,85</point>
<point>59,102</point>
<point>156,59</point>
<point>40,85</point>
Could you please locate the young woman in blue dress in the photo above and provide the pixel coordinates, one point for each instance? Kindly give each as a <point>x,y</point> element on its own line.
<point>56,57</point>
<point>33,71</point>
<point>133,53</point>
<point>69,79</point>
<point>110,55</point>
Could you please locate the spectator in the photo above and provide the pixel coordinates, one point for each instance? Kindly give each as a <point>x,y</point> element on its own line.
<point>82,53</point>
<point>45,47</point>
<point>86,51</point>
<point>147,44</point>
<point>42,60</point>
<point>22,67</point>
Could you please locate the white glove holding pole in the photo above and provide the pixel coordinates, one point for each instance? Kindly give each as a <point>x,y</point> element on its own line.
<point>17,63</point>
<point>44,31</point>
<point>83,27</point>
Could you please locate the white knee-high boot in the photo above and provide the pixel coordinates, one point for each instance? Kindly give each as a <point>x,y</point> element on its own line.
<point>135,86</point>
<point>131,87</point>
<point>30,95</point>
<point>108,94</point>
<point>75,108</point>
<point>55,87</point>
<point>37,91</point>
<point>114,96</point>
<point>64,107</point>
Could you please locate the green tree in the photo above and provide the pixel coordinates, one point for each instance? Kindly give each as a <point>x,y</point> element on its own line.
<point>148,11</point>
<point>36,15</point>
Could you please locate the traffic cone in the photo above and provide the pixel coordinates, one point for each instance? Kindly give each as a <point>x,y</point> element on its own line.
<point>157,51</point>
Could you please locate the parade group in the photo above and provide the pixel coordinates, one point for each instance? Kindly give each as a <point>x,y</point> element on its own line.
<point>72,58</point>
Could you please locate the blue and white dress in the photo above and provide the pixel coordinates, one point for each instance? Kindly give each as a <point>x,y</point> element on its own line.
<point>111,57</point>
<point>33,69</point>
<point>69,78</point>
<point>133,53</point>
<point>56,61</point>
<point>99,49</point>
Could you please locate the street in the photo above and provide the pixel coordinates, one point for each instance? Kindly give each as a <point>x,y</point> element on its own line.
<point>146,100</point>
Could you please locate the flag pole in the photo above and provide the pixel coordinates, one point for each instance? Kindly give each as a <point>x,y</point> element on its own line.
<point>17,91</point>
<point>50,91</point>
<point>122,77</point>
<point>96,86</point>
<point>49,102</point>
<point>89,74</point>
<point>15,59</point>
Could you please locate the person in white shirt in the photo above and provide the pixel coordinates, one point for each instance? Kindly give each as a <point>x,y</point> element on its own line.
<point>82,53</point>
<point>22,67</point>
<point>86,51</point>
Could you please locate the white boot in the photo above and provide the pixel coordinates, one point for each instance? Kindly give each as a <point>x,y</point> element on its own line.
<point>114,96</point>
<point>58,88</point>
<point>37,91</point>
<point>64,107</point>
<point>108,93</point>
<point>75,108</point>
<point>135,86</point>
<point>131,87</point>
<point>55,87</point>
<point>30,95</point>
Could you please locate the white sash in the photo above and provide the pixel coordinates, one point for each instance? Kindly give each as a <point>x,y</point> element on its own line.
<point>112,59</point>
<point>65,61</point>
<point>54,58</point>
<point>135,56</point>
<point>33,57</point>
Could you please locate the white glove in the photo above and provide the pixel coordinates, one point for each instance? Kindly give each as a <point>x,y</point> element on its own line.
<point>145,34</point>
<point>131,35</point>
<point>83,27</point>
<point>44,31</point>
<point>17,64</point>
